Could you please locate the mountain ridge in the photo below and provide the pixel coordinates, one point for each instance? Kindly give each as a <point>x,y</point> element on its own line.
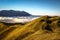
<point>12,13</point>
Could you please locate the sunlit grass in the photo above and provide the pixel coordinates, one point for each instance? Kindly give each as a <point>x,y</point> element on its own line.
<point>43,28</point>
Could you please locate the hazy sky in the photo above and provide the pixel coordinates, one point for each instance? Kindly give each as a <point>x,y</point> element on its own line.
<point>35,7</point>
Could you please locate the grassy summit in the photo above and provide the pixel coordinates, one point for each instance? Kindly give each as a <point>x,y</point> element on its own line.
<point>43,28</point>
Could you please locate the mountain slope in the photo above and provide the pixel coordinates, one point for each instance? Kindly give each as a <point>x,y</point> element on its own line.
<point>43,28</point>
<point>12,13</point>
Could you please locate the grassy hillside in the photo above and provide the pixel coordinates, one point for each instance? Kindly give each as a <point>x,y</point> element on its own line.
<point>43,28</point>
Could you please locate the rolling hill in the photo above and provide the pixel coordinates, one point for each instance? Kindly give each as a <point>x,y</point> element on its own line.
<point>43,28</point>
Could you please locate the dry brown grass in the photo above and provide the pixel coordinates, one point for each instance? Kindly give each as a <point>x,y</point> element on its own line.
<point>43,28</point>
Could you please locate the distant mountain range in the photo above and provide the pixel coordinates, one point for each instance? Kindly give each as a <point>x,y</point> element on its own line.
<point>13,13</point>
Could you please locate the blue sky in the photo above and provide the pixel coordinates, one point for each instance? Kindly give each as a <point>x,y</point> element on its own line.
<point>34,7</point>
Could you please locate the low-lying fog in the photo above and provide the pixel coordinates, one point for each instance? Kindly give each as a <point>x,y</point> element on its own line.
<point>22,19</point>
